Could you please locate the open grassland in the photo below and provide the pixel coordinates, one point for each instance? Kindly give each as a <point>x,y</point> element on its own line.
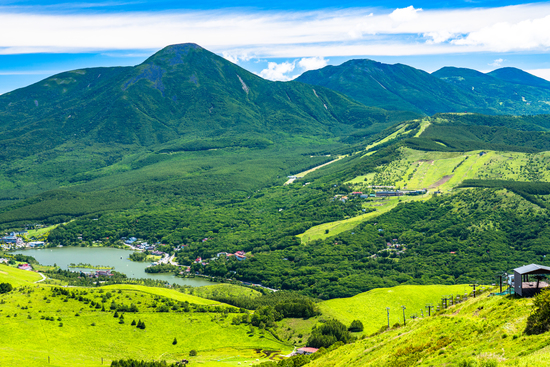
<point>72,329</point>
<point>445,170</point>
<point>486,331</point>
<point>370,307</point>
<point>380,206</point>
<point>392,136</point>
<point>17,277</point>
<point>40,233</point>
<point>162,292</point>
<point>227,290</point>
<point>423,126</point>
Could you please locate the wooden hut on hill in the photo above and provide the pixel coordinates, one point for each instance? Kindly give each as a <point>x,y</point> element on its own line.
<point>528,279</point>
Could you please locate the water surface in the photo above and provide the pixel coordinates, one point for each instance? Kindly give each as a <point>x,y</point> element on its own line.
<point>118,258</point>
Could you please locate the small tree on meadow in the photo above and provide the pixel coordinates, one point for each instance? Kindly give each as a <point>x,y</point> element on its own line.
<point>356,326</point>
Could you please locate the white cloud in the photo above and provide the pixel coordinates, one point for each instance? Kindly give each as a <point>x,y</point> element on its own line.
<point>405,14</point>
<point>235,58</point>
<point>439,36</point>
<point>283,71</point>
<point>505,36</point>
<point>497,63</point>
<point>238,34</point>
<point>312,63</point>
<point>278,72</point>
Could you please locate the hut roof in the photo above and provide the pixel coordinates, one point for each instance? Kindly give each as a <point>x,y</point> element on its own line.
<point>533,269</point>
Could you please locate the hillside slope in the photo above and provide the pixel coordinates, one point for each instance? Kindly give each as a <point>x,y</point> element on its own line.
<point>91,326</point>
<point>485,331</point>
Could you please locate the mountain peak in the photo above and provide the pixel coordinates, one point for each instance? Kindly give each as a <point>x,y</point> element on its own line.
<point>174,54</point>
<point>518,76</point>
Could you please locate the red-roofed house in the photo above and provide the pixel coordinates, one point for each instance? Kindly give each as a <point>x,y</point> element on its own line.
<point>307,350</point>
<point>24,267</point>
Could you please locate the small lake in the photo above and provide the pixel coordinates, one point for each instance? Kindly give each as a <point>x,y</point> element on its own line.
<point>118,258</point>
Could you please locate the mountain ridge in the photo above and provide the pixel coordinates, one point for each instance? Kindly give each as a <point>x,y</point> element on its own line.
<point>449,89</point>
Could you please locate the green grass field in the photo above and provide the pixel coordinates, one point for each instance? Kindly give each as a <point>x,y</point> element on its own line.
<point>41,233</point>
<point>485,331</point>
<point>441,171</point>
<point>446,170</point>
<point>85,335</point>
<point>224,290</point>
<point>370,307</point>
<point>380,205</point>
<point>17,277</point>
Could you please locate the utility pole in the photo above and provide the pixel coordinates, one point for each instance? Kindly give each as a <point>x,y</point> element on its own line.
<point>444,302</point>
<point>429,307</point>
<point>388,311</point>
<point>474,285</point>
<point>404,319</point>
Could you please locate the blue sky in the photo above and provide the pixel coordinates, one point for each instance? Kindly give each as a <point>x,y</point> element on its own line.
<point>278,39</point>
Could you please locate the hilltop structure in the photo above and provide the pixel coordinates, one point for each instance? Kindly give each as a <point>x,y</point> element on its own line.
<point>524,286</point>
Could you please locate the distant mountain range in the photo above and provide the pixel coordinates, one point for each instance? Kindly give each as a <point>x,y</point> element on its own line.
<point>401,87</point>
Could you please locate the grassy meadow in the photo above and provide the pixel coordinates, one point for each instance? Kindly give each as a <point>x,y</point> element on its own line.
<point>485,331</point>
<point>380,206</point>
<point>81,334</point>
<point>446,170</point>
<point>370,307</point>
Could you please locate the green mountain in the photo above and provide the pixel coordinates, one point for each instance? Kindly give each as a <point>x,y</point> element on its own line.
<point>501,93</point>
<point>401,87</point>
<point>518,76</point>
<point>394,87</point>
<point>181,92</point>
<point>185,120</point>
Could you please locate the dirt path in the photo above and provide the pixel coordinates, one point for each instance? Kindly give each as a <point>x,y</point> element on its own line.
<point>43,278</point>
<point>441,182</point>
<point>302,174</point>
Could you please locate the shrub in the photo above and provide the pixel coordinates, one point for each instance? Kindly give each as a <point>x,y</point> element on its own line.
<point>5,288</point>
<point>356,326</point>
<point>192,352</point>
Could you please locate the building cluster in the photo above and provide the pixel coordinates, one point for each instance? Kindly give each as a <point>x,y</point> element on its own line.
<point>380,194</point>
<point>98,273</point>
<point>12,241</point>
<point>135,244</point>
<point>239,255</point>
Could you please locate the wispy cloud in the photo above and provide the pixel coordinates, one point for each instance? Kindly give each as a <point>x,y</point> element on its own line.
<point>244,34</point>
<point>497,63</point>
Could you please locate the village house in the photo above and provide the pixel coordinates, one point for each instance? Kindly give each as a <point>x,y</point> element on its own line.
<point>24,267</point>
<point>240,255</point>
<point>307,350</point>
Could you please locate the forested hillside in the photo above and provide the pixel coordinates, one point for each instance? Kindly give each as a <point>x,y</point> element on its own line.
<point>401,87</point>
